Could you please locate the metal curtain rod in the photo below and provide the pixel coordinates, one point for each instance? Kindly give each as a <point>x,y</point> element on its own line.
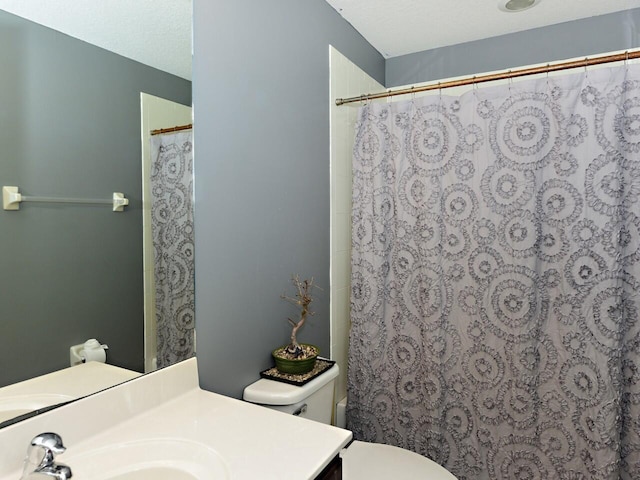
<point>619,57</point>
<point>172,129</point>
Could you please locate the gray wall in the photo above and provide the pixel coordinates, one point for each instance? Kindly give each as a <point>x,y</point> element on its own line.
<point>70,126</point>
<point>261,109</point>
<point>605,33</point>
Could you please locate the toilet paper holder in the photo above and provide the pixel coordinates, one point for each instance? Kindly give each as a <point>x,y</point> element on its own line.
<point>91,350</point>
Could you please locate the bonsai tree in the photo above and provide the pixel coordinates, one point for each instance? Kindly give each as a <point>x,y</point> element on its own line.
<point>302,300</point>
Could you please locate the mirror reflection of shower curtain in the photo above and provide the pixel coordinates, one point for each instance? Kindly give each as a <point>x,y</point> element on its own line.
<point>172,229</point>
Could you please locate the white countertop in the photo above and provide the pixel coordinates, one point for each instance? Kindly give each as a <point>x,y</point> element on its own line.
<point>168,407</point>
<point>60,386</point>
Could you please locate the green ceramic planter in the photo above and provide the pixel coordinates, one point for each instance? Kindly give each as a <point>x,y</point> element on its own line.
<point>295,366</point>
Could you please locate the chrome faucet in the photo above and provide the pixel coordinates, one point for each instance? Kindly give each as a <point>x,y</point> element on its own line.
<point>40,461</point>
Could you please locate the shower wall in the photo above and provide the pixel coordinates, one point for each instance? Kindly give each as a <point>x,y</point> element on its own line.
<point>347,80</point>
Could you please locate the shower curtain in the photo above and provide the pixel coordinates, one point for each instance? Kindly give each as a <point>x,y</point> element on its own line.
<point>495,278</point>
<point>172,230</point>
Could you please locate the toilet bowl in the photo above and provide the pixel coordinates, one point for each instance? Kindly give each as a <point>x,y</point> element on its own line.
<point>360,460</point>
<point>373,461</point>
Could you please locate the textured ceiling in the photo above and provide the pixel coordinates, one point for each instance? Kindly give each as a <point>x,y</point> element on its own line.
<point>153,32</point>
<point>399,27</point>
<point>158,32</point>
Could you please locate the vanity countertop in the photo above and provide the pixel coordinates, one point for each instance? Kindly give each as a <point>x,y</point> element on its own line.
<point>168,408</point>
<point>60,386</point>
<point>76,381</point>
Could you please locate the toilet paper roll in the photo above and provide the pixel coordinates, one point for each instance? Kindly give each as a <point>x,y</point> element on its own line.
<point>94,355</point>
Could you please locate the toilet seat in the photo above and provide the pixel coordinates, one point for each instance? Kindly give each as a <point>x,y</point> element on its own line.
<point>375,461</point>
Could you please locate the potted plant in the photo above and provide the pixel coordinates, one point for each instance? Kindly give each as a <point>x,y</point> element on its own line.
<point>297,358</point>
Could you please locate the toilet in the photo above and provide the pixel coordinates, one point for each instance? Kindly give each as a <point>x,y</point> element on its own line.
<point>360,460</point>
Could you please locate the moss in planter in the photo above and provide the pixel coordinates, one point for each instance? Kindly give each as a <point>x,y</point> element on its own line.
<point>298,379</point>
<point>288,363</point>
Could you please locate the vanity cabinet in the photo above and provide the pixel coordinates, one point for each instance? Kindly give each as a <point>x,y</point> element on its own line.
<point>333,471</point>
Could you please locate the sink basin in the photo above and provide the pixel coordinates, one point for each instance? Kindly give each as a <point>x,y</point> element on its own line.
<point>156,473</point>
<point>149,459</point>
<point>16,405</point>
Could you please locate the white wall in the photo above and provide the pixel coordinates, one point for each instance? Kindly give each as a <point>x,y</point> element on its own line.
<point>347,80</point>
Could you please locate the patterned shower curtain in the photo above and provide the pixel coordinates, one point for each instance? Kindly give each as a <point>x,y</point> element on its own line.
<point>172,230</point>
<point>496,278</point>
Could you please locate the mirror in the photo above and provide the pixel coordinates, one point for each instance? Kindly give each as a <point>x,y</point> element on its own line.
<point>71,127</point>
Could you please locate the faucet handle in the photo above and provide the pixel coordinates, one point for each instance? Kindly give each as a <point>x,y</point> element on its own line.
<point>41,455</point>
<point>44,448</point>
<point>49,441</point>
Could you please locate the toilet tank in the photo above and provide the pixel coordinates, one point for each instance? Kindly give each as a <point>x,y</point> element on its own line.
<point>313,400</point>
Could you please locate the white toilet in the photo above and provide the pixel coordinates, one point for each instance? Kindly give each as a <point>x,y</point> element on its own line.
<point>360,460</point>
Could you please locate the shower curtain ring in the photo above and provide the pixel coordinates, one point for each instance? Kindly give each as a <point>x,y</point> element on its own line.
<point>548,66</point>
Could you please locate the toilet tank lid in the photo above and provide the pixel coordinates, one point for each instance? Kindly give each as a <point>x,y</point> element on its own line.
<point>271,392</point>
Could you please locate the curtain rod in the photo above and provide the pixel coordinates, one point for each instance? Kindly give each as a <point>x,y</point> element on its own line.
<point>586,62</point>
<point>172,129</point>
